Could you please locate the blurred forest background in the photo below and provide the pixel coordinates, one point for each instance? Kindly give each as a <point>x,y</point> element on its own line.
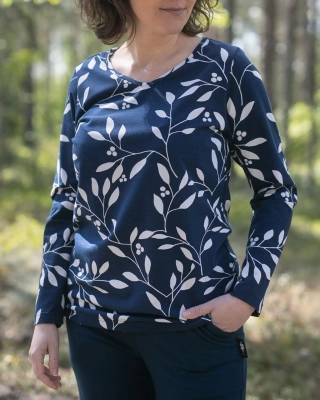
<point>40,44</point>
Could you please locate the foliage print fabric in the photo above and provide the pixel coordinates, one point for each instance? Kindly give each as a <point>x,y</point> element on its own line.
<point>138,229</point>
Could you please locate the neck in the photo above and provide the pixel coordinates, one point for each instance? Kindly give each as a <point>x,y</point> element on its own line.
<point>145,48</point>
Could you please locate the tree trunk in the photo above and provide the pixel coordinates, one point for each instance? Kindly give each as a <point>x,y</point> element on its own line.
<point>231,7</point>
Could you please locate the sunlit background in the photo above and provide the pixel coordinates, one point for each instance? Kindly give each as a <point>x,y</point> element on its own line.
<point>41,42</point>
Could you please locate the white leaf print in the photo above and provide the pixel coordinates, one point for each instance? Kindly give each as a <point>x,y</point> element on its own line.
<point>255,142</point>
<point>38,316</point>
<point>100,290</point>
<point>221,120</point>
<point>76,262</point>
<point>117,173</point>
<point>96,135</point>
<point>105,167</point>
<point>65,256</point>
<point>182,309</point>
<point>122,319</point>
<point>94,268</point>
<point>187,253</point>
<point>161,114</point>
<point>173,281</point>
<point>227,205</point>
<point>95,187</point>
<point>146,234</point>
<point>280,240</point>
<point>78,67</point>
<point>138,167</point>
<point>61,271</point>
<point>147,265</point>
<point>188,284</point>
<point>217,143</point>
<point>257,274</point>
<point>52,279</point>
<point>63,176</point>
<point>133,235</point>
<point>200,174</point>
<point>122,132</point>
<point>209,290</point>
<point>256,173</point>
<point>189,83</point>
<point>256,73</point>
<point>205,279</point>
<point>87,268</point>
<point>166,246</point>
<point>130,276</point>
<point>218,269</point>
<point>206,96</point>
<point>188,131</point>
<point>206,223</point>
<point>117,251</point>
<point>278,176</point>
<point>179,266</point>
<point>83,78</point>
<point>268,235</point>
<point>103,65</point>
<point>85,95</point>
<point>68,205</point>
<point>109,125</point>
<point>154,301</point>
<point>106,186</point>
<point>271,117</point>
<point>229,285</point>
<point>247,110</point>
<point>114,197</point>
<point>130,100</point>
<point>214,159</point>
<point>67,109</point>
<point>249,155</point>
<point>269,193</point>
<point>158,204</point>
<point>139,88</point>
<point>112,106</point>
<point>190,91</point>
<point>184,181</point>
<point>267,271</point>
<point>110,316</point>
<point>159,236</point>
<point>53,238</point>
<point>195,113</point>
<point>181,233</point>
<point>170,97</point>
<point>83,194</point>
<point>275,258</point>
<point>164,174</point>
<point>207,245</point>
<point>64,138</point>
<point>231,109</point>
<point>245,270</point>
<point>225,230</point>
<point>157,132</point>
<point>66,234</point>
<point>92,63</point>
<point>224,55</point>
<point>187,203</point>
<point>162,320</point>
<point>118,284</point>
<point>216,229</point>
<point>102,322</point>
<point>104,268</point>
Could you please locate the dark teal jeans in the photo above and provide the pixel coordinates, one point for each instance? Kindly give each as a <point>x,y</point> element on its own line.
<point>203,363</point>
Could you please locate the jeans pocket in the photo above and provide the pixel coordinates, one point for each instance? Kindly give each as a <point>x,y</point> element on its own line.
<point>215,330</point>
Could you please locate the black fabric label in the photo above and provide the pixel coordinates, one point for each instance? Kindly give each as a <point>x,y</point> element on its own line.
<point>243,349</point>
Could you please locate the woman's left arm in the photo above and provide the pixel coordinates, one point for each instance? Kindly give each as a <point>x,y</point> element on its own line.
<point>255,145</point>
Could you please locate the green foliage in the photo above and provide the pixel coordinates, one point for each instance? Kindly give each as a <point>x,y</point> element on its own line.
<point>8,3</point>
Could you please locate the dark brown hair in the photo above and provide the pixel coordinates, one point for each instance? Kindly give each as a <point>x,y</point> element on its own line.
<point>110,18</point>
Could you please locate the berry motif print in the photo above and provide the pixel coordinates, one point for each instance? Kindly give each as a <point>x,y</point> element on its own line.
<point>138,229</point>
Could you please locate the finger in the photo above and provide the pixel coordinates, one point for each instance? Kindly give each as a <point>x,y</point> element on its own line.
<point>198,311</point>
<point>40,372</point>
<point>54,358</point>
<point>52,377</point>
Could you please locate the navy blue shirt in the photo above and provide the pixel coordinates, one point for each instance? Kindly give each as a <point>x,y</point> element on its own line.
<point>138,229</point>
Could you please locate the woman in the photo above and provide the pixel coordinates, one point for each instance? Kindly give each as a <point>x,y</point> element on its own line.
<point>136,252</point>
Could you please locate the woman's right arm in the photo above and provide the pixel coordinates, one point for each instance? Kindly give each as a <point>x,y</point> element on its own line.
<point>57,248</point>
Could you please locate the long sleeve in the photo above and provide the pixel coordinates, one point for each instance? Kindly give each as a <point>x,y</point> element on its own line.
<point>59,232</point>
<point>256,147</point>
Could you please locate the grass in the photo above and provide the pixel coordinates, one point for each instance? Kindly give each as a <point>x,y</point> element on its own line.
<point>283,344</point>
